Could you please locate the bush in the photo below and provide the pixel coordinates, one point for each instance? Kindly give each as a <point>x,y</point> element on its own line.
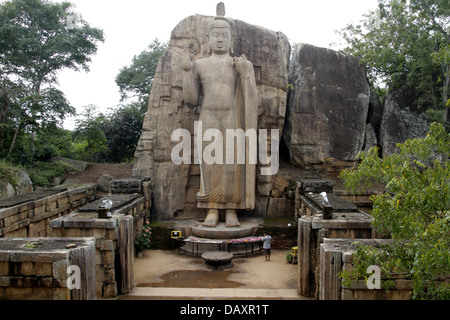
<point>42,173</point>
<point>414,209</point>
<point>9,172</point>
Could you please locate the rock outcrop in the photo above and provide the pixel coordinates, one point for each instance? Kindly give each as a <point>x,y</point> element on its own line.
<point>175,186</point>
<point>327,108</point>
<point>23,185</point>
<point>401,120</point>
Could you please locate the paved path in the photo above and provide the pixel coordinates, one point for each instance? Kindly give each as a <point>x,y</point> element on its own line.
<point>212,294</point>
<point>167,275</point>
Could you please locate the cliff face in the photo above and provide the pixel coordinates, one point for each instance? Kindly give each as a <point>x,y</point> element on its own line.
<point>327,108</point>
<point>328,116</point>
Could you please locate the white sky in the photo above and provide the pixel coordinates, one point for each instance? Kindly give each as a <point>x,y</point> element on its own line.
<point>131,25</point>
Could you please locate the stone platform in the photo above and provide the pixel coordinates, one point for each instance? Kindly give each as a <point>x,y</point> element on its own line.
<point>193,227</point>
<point>222,232</point>
<point>197,239</point>
<point>238,247</point>
<point>216,258</point>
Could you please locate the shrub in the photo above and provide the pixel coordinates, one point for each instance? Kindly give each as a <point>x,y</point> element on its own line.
<point>143,239</point>
<point>414,209</point>
<point>42,173</point>
<point>9,172</point>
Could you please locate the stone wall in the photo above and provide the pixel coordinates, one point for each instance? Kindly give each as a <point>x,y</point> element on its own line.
<point>114,241</point>
<point>37,268</point>
<point>70,216</point>
<point>346,221</point>
<point>336,255</point>
<point>32,218</point>
<point>361,200</point>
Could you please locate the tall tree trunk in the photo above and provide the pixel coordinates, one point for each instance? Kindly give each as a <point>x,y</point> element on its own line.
<point>13,142</point>
<point>445,94</point>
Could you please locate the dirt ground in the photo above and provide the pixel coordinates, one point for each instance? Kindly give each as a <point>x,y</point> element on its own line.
<point>159,268</point>
<point>123,170</point>
<point>95,170</point>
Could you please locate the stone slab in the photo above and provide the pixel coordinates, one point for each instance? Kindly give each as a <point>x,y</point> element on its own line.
<point>117,202</point>
<point>85,220</point>
<point>217,257</point>
<point>315,186</point>
<point>29,197</point>
<point>338,204</point>
<point>222,232</point>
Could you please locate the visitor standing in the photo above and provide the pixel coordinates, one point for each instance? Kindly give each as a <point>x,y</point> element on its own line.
<point>266,245</point>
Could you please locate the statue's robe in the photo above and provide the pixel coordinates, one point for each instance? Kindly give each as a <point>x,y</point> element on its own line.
<point>232,186</point>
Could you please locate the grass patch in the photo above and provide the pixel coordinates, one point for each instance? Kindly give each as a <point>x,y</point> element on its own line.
<point>9,172</point>
<point>42,173</point>
<point>278,221</point>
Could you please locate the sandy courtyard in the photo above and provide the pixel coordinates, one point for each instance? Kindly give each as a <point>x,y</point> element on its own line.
<point>159,268</point>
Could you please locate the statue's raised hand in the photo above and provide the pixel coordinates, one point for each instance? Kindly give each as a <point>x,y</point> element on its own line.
<point>242,64</point>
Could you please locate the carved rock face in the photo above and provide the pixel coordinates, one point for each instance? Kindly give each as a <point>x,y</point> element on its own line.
<point>327,107</point>
<point>220,40</point>
<point>175,186</point>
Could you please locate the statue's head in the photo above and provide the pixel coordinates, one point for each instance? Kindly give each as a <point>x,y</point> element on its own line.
<point>220,37</point>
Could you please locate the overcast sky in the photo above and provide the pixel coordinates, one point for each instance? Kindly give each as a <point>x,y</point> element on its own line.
<point>131,25</point>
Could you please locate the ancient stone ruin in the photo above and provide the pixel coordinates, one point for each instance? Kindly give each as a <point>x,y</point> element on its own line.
<point>320,102</point>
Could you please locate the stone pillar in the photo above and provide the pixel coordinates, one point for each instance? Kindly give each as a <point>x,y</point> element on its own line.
<point>330,267</point>
<point>126,253</point>
<point>312,230</point>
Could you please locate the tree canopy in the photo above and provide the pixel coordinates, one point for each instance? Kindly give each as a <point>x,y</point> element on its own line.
<point>135,80</point>
<point>406,43</point>
<point>37,39</point>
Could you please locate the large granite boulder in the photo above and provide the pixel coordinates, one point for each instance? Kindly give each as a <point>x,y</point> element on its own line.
<point>401,120</point>
<point>327,108</point>
<point>175,186</point>
<point>23,185</point>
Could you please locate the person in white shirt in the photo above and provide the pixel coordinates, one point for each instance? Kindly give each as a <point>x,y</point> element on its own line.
<point>266,245</point>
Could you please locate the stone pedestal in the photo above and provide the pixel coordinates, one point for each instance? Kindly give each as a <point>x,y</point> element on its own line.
<point>39,268</point>
<point>311,233</point>
<point>222,232</point>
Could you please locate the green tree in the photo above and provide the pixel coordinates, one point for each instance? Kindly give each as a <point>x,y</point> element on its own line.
<point>397,43</point>
<point>414,209</point>
<point>122,131</point>
<point>37,39</point>
<point>135,80</point>
<point>90,140</point>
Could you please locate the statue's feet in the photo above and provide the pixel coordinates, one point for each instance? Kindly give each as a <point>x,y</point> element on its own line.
<point>231,219</point>
<point>211,219</point>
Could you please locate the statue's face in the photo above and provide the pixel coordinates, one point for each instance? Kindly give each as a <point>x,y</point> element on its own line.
<point>220,40</point>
